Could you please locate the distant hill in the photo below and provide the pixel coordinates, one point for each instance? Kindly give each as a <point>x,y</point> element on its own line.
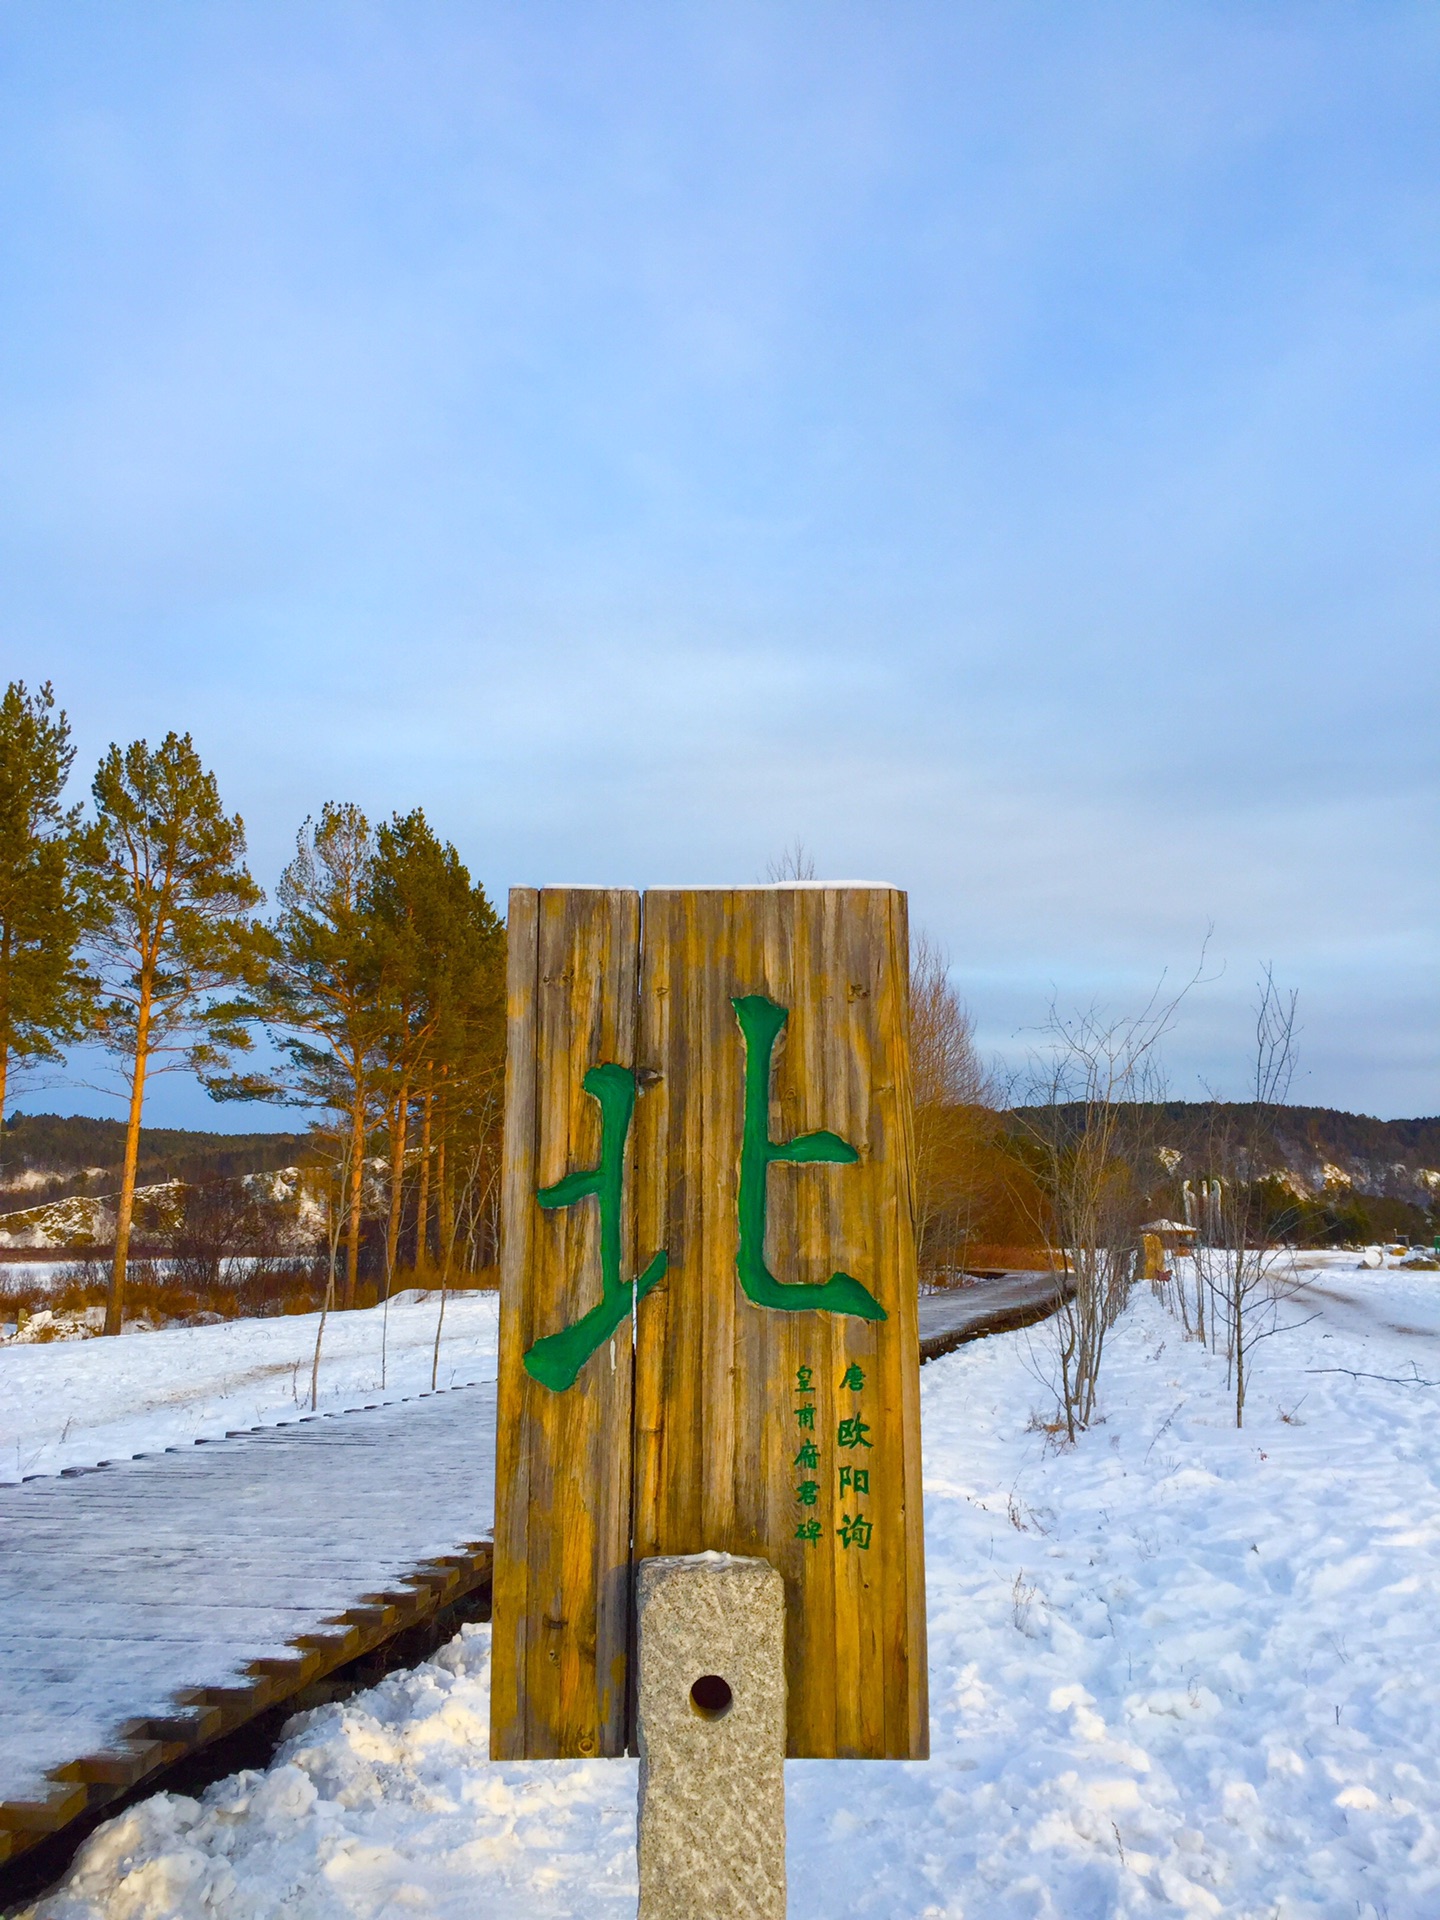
<point>1350,1176</point>
<point>48,1156</point>
<point>1319,1147</point>
<point>1359,1177</point>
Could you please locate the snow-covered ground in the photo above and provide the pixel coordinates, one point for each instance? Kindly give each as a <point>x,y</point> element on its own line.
<point>1175,1670</point>
<point>73,1403</point>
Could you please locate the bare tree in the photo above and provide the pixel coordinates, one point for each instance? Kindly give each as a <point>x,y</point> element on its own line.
<point>1240,1257</point>
<point>1084,1127</point>
<point>795,863</point>
<point>216,1223</point>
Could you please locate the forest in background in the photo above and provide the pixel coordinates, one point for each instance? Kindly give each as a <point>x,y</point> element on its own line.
<point>377,976</point>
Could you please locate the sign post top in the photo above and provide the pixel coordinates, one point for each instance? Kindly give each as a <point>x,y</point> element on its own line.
<point>755,886</point>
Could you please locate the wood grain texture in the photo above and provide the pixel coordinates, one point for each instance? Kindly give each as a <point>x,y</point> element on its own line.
<point>562,1518</point>
<point>716,1427</point>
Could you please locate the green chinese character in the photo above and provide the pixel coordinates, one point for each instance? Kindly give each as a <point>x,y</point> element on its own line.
<point>803,1377</point>
<point>856,1478</point>
<point>808,1492</point>
<point>808,1457</point>
<point>851,1433</point>
<point>805,1416</point>
<point>854,1378</point>
<point>808,1530</point>
<point>761,1021</point>
<point>557,1359</point>
<point>856,1532</point>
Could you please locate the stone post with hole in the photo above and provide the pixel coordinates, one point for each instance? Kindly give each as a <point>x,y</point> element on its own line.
<point>711,1726</point>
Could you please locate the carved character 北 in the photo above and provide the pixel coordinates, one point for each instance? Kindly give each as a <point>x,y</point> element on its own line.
<point>555,1361</point>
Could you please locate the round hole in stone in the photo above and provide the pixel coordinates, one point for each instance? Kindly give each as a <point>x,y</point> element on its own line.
<point>711,1697</point>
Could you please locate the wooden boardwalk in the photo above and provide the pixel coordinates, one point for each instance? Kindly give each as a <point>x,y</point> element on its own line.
<point>948,1320</point>
<point>150,1605</point>
<point>147,1606</point>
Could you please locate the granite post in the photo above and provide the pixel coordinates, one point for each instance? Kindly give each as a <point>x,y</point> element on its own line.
<point>711,1721</point>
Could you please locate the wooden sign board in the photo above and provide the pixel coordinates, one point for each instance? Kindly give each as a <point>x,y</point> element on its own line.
<point>708,1311</point>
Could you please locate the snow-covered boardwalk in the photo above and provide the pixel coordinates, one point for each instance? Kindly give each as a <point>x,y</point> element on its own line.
<point>948,1320</point>
<point>147,1605</point>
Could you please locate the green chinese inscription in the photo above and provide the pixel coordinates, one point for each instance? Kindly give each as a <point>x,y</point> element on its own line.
<point>854,1531</point>
<point>556,1360</point>
<point>761,1021</point>
<point>807,1460</point>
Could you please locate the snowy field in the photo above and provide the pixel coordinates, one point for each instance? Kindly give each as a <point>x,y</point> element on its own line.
<point>1176,1670</point>
<point>73,1403</point>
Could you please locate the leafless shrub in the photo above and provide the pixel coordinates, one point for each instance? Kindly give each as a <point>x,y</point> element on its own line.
<point>795,863</point>
<point>1091,1073</point>
<point>1239,1260</point>
<point>216,1224</point>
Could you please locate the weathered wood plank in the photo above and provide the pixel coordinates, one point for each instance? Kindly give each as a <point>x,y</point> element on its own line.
<point>562,1536</point>
<point>720,1448</point>
<point>149,1606</point>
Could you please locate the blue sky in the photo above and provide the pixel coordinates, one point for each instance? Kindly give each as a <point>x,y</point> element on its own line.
<point>996,444</point>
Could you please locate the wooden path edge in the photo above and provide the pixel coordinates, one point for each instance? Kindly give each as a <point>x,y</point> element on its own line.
<point>201,1714</point>
<point>1002,1320</point>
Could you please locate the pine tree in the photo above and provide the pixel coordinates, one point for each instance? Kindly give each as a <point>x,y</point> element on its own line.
<point>324,995</point>
<point>467,1074</point>
<point>384,950</point>
<point>45,990</point>
<point>439,943</point>
<point>178,934</point>
<point>413,876</point>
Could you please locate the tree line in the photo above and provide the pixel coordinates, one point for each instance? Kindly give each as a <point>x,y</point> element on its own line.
<point>379,977</point>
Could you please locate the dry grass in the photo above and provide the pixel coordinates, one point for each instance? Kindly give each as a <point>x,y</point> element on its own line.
<point>267,1290</point>
<point>155,1296</point>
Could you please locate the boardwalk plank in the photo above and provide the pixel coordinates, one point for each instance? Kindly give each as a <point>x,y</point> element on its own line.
<point>160,1589</point>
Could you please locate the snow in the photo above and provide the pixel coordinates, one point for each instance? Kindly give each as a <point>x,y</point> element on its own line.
<point>73,1403</point>
<point>1175,1670</point>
